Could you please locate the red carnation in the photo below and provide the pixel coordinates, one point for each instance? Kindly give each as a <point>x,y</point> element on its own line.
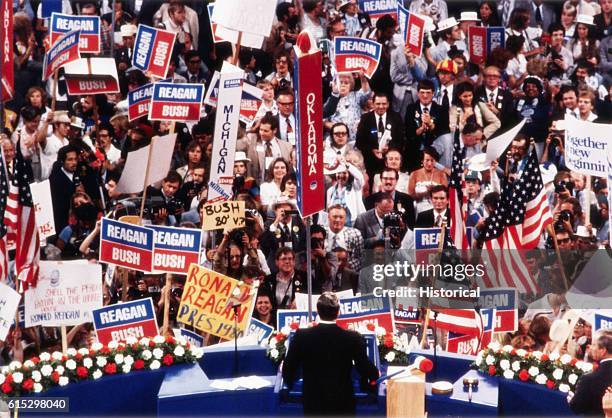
<point>524,375</point>
<point>168,359</point>
<point>544,357</point>
<point>104,350</point>
<point>27,384</point>
<point>120,348</point>
<point>82,372</point>
<point>78,356</point>
<point>388,341</point>
<point>573,361</point>
<point>64,358</point>
<point>550,384</point>
<point>139,364</point>
<point>8,379</point>
<point>110,368</point>
<point>92,352</point>
<point>6,388</point>
<point>170,339</point>
<point>370,327</point>
<point>280,337</point>
<point>294,325</point>
<point>513,352</point>
<point>134,346</point>
<point>55,376</point>
<point>151,343</point>
<point>35,360</point>
<point>492,370</point>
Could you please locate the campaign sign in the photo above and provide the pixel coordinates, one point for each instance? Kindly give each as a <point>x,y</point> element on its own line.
<point>378,8</point>
<point>309,132</point>
<point>286,317</point>
<point>249,103</point>
<point>153,50</point>
<point>65,50</point>
<point>8,58</point>
<point>192,338</point>
<point>126,245</point>
<point>601,321</point>
<point>426,242</point>
<point>496,38</point>
<point>260,330</point>
<point>175,248</point>
<point>89,42</point>
<point>138,102</point>
<point>358,312</point>
<point>176,102</point>
<point>506,309</point>
<point>412,28</point>
<point>586,146</point>
<point>131,319</point>
<point>407,315</point>
<point>469,345</point>
<point>213,25</point>
<point>356,54</point>
<point>49,7</point>
<point>477,45</point>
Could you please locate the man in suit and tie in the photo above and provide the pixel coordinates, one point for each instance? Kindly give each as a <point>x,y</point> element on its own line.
<point>370,223</point>
<point>446,71</point>
<point>542,15</point>
<point>499,100</point>
<point>285,117</point>
<point>425,122</point>
<point>264,147</point>
<point>439,214</point>
<point>346,278</point>
<point>325,355</point>
<point>197,72</point>
<point>402,202</point>
<point>376,131</point>
<point>587,399</point>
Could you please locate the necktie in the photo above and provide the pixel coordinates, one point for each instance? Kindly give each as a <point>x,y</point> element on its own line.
<point>286,233</point>
<point>444,101</point>
<point>491,98</point>
<point>268,149</point>
<point>439,220</point>
<point>289,128</point>
<point>538,16</point>
<point>381,125</point>
<point>334,242</point>
<point>193,79</point>
<point>426,110</point>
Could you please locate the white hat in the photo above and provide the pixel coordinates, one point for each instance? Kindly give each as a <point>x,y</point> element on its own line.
<point>128,30</point>
<point>284,200</point>
<point>478,163</point>
<point>429,23</point>
<point>344,3</point>
<point>469,17</point>
<point>586,19</point>
<point>77,122</point>
<point>583,232</point>
<point>548,173</point>
<point>241,156</point>
<point>447,24</point>
<point>61,117</point>
<point>334,168</point>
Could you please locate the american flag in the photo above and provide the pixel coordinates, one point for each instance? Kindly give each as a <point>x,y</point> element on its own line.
<point>19,217</point>
<point>4,191</point>
<point>459,321</point>
<point>520,216</point>
<point>458,204</point>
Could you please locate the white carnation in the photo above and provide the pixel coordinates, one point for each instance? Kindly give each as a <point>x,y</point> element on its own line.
<point>509,374</point>
<point>158,339</point>
<point>380,331</point>
<point>557,374</point>
<point>273,341</point>
<point>274,353</point>
<point>180,340</point>
<point>57,355</point>
<point>131,340</point>
<point>537,354</point>
<point>129,360</point>
<point>71,352</point>
<point>533,371</point>
<point>119,358</point>
<point>179,351</point>
<point>29,364</point>
<point>113,345</point>
<point>155,365</point>
<point>516,366</point>
<point>479,359</point>
<point>564,388</point>
<point>197,352</point>
<point>508,348</point>
<point>46,370</point>
<point>87,362</point>
<point>17,377</point>
<point>96,346</point>
<point>494,346</point>
<point>83,351</point>
<point>36,376</point>
<point>504,364</point>
<point>585,367</point>
<point>126,368</point>
<point>158,353</point>
<point>96,374</point>
<point>490,360</point>
<point>565,359</point>
<point>390,356</point>
<point>541,379</point>
<point>146,355</point>
<point>60,369</point>
<point>38,387</point>
<point>572,378</point>
<point>101,361</point>
<point>63,381</point>
<point>144,341</point>
<point>14,365</point>
<point>45,356</point>
<point>286,330</point>
<point>71,364</point>
<point>521,353</point>
<point>553,356</point>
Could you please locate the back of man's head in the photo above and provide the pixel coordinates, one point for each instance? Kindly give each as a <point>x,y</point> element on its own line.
<point>328,306</point>
<point>603,340</point>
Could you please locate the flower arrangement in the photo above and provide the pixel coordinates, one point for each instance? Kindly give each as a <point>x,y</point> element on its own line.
<point>555,371</point>
<point>57,369</point>
<point>279,342</point>
<point>392,348</point>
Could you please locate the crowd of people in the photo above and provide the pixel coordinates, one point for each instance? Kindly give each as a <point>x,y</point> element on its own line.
<point>388,144</point>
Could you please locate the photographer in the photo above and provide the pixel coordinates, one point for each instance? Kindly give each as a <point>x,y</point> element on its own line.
<point>189,193</point>
<point>72,236</point>
<point>554,151</point>
<point>170,212</point>
<point>371,223</point>
<point>560,60</point>
<point>324,263</point>
<point>228,259</point>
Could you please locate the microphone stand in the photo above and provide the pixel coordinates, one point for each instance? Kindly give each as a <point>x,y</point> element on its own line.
<point>235,308</point>
<point>435,348</point>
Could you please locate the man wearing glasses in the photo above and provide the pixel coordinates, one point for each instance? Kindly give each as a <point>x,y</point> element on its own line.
<point>196,73</point>
<point>286,118</point>
<point>338,144</point>
<point>499,100</point>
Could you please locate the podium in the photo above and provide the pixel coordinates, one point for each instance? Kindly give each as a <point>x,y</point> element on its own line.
<point>406,395</point>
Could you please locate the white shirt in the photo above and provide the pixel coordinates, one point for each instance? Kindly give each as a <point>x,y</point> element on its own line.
<point>48,155</point>
<point>68,174</point>
<point>282,127</point>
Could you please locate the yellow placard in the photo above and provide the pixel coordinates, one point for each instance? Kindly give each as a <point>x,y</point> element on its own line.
<point>226,215</point>
<point>206,305</point>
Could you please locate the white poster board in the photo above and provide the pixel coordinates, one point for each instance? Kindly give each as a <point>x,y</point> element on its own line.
<point>43,209</point>
<point>250,16</point>
<point>586,146</point>
<point>9,301</point>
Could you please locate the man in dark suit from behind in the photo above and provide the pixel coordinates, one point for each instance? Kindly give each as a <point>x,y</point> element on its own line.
<point>587,399</point>
<point>325,355</point>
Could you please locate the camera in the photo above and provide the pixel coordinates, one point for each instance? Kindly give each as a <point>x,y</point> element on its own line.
<point>563,186</point>
<point>236,236</point>
<point>173,206</point>
<point>392,229</point>
<point>565,215</point>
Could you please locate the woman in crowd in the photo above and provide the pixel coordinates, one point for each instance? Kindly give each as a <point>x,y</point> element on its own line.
<point>488,13</point>
<point>345,104</point>
<point>425,178</point>
<point>263,308</point>
<point>346,191</point>
<point>194,155</point>
<point>568,21</point>
<point>270,190</point>
<point>288,186</point>
<point>516,69</point>
<point>584,43</point>
<point>465,110</point>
